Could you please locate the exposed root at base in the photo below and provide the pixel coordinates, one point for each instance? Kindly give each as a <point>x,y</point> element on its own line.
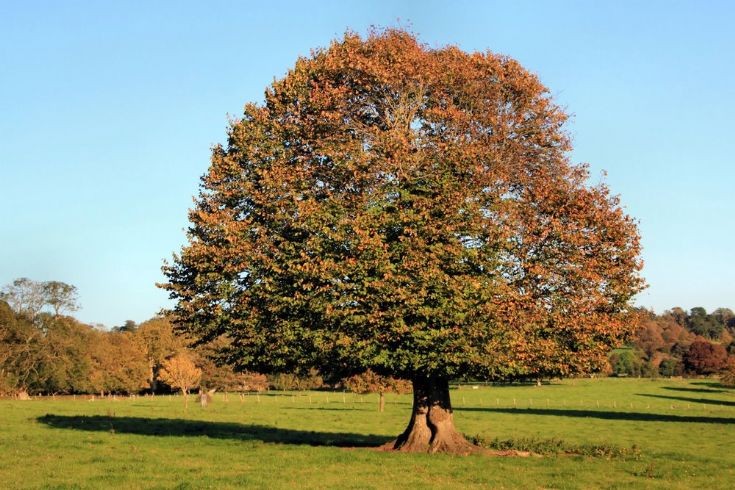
<point>472,449</point>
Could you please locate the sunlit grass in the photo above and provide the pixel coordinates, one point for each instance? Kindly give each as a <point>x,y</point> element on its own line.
<point>684,431</point>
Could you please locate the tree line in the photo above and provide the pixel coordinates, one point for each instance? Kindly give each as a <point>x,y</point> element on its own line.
<point>44,351</point>
<point>679,343</point>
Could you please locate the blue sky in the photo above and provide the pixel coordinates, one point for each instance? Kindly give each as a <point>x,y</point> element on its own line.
<point>108,111</point>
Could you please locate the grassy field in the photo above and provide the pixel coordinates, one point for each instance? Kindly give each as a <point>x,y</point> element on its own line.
<point>684,430</point>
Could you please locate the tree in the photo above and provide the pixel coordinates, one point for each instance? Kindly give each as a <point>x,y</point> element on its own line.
<point>649,339</point>
<point>678,314</point>
<point>25,296</point>
<point>370,382</point>
<point>705,357</point>
<point>158,341</point>
<point>703,324</point>
<point>65,366</point>
<point>129,326</point>
<point>60,296</point>
<point>218,374</point>
<point>119,363</point>
<point>412,211</point>
<point>670,367</point>
<point>627,362</point>
<point>181,372</point>
<point>22,352</point>
<point>311,380</point>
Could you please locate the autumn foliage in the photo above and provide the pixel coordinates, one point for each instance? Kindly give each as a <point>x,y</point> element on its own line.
<point>181,372</point>
<point>407,210</point>
<point>705,357</point>
<point>672,344</point>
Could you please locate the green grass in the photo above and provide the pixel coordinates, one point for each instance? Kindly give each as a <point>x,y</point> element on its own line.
<point>683,433</point>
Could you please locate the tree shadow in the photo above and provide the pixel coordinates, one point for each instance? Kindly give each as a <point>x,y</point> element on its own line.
<point>333,409</point>
<point>711,384</point>
<point>694,390</point>
<point>215,430</point>
<point>599,414</point>
<point>707,401</point>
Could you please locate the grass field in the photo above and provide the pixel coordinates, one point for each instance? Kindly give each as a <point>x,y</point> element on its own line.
<point>684,430</point>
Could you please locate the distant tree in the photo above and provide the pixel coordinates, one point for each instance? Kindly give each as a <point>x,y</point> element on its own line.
<point>670,367</point>
<point>648,338</point>
<point>223,378</point>
<point>129,326</point>
<point>293,381</point>
<point>723,316</point>
<point>216,371</point>
<point>66,365</point>
<point>700,323</point>
<point>60,296</point>
<point>673,333</point>
<point>159,342</point>
<point>627,362</point>
<point>25,296</point>
<point>679,315</point>
<point>370,382</point>
<point>22,351</point>
<point>180,372</point>
<point>253,382</point>
<point>705,357</point>
<point>119,363</point>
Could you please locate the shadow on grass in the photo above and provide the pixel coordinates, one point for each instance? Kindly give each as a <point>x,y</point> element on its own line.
<point>711,384</point>
<point>723,403</point>
<point>599,414</point>
<point>215,430</point>
<point>694,390</point>
<point>331,409</point>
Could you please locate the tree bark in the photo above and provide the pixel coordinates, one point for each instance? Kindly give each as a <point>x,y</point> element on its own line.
<point>431,428</point>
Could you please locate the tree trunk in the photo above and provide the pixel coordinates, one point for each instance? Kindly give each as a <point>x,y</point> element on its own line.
<point>431,428</point>
<point>381,404</point>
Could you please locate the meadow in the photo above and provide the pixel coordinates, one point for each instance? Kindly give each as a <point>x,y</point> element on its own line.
<point>663,434</point>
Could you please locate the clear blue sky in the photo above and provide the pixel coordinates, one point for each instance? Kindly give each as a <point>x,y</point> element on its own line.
<point>108,111</point>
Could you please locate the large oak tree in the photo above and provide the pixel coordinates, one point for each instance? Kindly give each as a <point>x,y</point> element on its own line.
<point>412,211</point>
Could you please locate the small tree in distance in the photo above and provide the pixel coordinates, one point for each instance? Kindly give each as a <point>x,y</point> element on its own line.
<point>370,382</point>
<point>61,296</point>
<point>412,211</point>
<point>180,372</point>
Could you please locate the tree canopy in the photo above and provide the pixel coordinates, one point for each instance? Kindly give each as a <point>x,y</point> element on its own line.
<point>408,210</point>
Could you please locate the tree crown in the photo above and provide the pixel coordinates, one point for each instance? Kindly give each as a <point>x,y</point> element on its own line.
<point>407,210</point>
